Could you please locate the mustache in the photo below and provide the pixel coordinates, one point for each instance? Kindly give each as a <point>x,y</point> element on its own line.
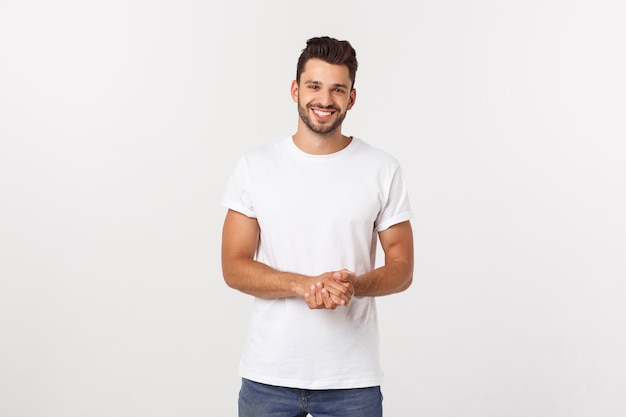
<point>319,106</point>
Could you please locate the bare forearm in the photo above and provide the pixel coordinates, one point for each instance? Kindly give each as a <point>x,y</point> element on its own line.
<point>257,279</point>
<point>393,277</point>
<point>240,238</point>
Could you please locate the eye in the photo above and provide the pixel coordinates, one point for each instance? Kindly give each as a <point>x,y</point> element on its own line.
<point>339,90</point>
<point>313,86</point>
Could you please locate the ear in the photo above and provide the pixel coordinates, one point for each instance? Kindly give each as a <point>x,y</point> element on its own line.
<point>352,98</point>
<point>294,91</point>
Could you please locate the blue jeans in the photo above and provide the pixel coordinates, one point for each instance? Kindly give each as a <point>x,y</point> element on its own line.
<point>261,400</point>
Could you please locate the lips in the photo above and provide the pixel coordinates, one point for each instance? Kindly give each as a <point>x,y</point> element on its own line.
<point>322,114</point>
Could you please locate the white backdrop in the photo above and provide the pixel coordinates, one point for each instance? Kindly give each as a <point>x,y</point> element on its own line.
<point>121,120</point>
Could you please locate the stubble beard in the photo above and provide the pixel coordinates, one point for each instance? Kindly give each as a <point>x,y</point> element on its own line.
<point>320,129</point>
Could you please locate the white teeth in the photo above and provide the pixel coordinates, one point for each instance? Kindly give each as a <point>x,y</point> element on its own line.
<point>322,113</point>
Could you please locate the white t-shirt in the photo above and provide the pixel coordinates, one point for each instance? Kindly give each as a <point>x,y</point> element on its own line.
<point>317,213</point>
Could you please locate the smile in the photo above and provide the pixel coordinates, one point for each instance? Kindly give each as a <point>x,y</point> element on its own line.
<point>322,113</point>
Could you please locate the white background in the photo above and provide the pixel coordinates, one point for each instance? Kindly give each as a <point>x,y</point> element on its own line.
<point>121,120</point>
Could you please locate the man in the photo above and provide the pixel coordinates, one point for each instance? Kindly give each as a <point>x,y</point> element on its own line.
<point>300,235</point>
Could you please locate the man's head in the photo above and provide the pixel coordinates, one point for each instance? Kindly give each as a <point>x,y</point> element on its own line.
<point>329,50</point>
<point>324,85</point>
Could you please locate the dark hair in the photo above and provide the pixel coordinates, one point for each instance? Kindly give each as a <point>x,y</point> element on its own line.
<point>329,50</point>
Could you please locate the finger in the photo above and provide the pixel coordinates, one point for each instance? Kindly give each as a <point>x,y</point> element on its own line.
<point>344,275</point>
<point>339,289</point>
<point>309,297</point>
<point>347,281</point>
<point>328,302</point>
<point>338,300</point>
<point>318,295</point>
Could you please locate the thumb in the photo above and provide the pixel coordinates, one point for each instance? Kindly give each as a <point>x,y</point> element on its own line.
<point>342,275</point>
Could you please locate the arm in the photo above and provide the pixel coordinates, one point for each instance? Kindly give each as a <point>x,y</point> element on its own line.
<point>240,238</point>
<point>396,274</point>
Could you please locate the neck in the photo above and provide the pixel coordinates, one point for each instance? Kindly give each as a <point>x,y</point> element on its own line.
<point>316,144</point>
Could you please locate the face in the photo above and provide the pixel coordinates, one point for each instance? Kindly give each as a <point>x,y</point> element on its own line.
<point>323,95</point>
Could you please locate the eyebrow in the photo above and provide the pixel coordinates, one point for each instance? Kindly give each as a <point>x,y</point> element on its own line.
<point>319,83</point>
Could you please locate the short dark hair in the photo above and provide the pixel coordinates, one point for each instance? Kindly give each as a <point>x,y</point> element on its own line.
<point>329,50</point>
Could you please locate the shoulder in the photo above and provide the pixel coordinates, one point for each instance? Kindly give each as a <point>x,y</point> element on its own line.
<point>267,150</point>
<point>374,154</point>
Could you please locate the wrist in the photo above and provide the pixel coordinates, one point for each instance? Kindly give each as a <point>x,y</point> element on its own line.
<point>298,284</point>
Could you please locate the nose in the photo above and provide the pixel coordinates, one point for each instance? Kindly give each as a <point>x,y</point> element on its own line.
<point>325,97</point>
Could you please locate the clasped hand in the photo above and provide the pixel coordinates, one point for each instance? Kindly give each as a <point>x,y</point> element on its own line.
<point>330,290</point>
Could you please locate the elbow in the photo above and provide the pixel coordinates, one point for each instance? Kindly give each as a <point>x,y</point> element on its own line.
<point>234,283</point>
<point>407,282</point>
<point>408,276</point>
<point>230,278</point>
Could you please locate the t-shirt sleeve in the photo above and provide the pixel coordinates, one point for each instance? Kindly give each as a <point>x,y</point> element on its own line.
<point>237,194</point>
<point>397,207</point>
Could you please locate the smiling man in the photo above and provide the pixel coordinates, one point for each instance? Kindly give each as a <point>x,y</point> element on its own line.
<point>300,235</point>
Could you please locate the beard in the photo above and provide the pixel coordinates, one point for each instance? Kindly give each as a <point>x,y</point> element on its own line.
<point>317,128</point>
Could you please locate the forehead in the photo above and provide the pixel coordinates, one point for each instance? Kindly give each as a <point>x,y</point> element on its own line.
<point>322,71</point>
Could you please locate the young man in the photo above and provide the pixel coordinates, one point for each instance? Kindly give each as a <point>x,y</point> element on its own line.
<point>300,235</point>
